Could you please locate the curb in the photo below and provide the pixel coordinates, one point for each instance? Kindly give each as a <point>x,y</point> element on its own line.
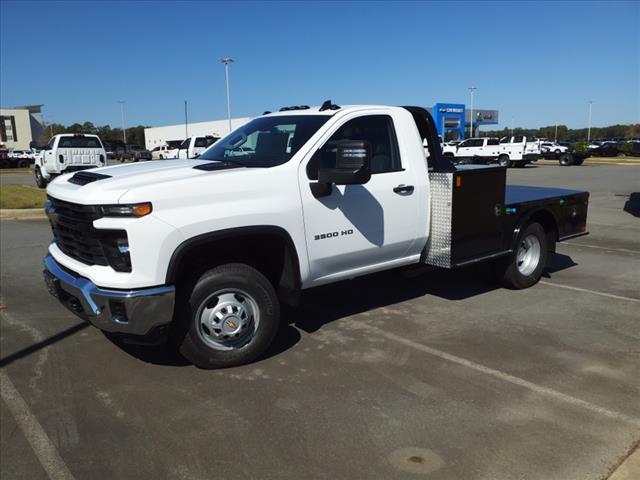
<point>595,161</point>
<point>22,214</point>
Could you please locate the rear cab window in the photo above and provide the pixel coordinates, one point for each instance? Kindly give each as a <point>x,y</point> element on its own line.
<point>201,142</point>
<point>79,142</point>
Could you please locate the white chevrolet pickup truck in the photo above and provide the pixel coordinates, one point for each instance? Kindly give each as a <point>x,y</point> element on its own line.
<point>474,150</point>
<point>203,252</point>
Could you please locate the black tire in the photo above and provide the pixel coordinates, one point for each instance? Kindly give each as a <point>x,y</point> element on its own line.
<point>41,182</point>
<point>566,160</point>
<point>246,286</point>
<point>517,271</point>
<point>503,161</point>
<point>23,163</point>
<point>578,161</point>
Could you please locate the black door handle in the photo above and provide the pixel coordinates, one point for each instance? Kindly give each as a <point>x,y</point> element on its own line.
<point>403,189</point>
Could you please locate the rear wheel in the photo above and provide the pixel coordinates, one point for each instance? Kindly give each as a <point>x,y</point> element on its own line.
<point>523,268</point>
<point>566,159</point>
<point>503,161</point>
<point>230,318</point>
<point>23,163</point>
<point>41,182</point>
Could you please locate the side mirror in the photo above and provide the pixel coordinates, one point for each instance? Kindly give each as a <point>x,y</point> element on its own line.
<point>353,164</point>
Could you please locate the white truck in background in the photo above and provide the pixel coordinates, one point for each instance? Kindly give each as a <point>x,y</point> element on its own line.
<point>163,152</point>
<point>68,152</point>
<point>193,146</point>
<point>473,150</point>
<point>518,150</point>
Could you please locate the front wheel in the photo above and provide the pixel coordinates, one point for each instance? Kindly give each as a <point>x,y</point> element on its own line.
<point>41,182</point>
<point>503,161</point>
<point>523,268</point>
<point>230,318</point>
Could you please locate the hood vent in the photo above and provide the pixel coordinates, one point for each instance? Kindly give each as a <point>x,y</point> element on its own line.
<point>82,178</point>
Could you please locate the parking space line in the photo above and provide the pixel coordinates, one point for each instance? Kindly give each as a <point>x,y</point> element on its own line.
<point>622,250</point>
<point>549,392</point>
<point>40,442</point>
<point>593,292</point>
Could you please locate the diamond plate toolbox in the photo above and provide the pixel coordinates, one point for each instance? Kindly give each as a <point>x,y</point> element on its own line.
<point>439,243</point>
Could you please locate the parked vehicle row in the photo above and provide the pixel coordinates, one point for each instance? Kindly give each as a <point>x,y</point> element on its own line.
<point>517,150</point>
<point>16,158</point>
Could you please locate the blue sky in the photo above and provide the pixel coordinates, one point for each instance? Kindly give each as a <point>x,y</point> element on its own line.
<point>536,62</point>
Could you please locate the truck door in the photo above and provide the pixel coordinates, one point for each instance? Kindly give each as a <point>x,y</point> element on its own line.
<point>48,159</point>
<point>464,149</point>
<point>360,226</point>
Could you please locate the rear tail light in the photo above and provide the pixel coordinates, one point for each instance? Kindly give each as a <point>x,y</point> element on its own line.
<point>61,158</point>
<point>102,159</point>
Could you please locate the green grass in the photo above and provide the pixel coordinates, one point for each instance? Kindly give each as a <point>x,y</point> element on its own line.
<point>4,171</point>
<point>21,196</point>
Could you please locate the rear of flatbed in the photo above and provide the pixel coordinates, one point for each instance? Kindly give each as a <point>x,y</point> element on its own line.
<point>476,217</point>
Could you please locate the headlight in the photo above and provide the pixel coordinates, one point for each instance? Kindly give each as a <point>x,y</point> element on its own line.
<point>133,210</point>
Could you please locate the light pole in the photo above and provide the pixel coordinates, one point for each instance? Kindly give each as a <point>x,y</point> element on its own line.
<point>49,119</point>
<point>186,121</point>
<point>555,139</point>
<point>513,121</point>
<point>589,129</point>
<point>226,61</point>
<point>472,90</point>
<point>124,131</point>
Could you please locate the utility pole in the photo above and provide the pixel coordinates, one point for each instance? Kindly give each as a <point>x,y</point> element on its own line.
<point>589,129</point>
<point>513,121</point>
<point>124,131</point>
<point>472,90</point>
<point>226,61</point>
<point>49,117</point>
<point>186,121</point>
<point>555,139</point>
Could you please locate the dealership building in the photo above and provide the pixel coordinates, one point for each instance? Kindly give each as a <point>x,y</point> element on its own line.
<point>19,126</point>
<point>451,121</point>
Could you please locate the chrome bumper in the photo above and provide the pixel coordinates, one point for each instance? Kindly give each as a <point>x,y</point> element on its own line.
<point>134,312</point>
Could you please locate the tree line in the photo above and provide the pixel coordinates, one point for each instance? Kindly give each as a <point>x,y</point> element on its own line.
<point>570,134</point>
<point>135,135</point>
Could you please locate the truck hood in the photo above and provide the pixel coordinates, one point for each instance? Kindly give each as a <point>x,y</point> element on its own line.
<point>119,179</point>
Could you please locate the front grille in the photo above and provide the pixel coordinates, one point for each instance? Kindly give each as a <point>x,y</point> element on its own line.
<point>73,231</point>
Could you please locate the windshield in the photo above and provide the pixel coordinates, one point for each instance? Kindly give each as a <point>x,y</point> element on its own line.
<point>266,141</point>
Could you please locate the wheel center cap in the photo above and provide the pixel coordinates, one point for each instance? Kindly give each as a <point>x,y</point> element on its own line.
<point>231,325</point>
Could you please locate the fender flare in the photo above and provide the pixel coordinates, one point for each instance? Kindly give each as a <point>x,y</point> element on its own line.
<point>526,218</point>
<point>291,252</point>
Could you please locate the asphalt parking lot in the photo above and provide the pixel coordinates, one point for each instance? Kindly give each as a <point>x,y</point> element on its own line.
<point>439,376</point>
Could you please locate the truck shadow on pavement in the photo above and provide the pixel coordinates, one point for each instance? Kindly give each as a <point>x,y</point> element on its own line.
<point>326,304</point>
<point>329,303</point>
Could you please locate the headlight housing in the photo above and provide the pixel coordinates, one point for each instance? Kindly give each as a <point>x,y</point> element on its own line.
<point>131,210</point>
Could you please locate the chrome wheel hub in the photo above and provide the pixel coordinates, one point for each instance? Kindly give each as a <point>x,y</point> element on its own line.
<point>528,256</point>
<point>227,319</point>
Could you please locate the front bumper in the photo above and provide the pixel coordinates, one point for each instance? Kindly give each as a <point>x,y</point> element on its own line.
<point>134,312</point>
